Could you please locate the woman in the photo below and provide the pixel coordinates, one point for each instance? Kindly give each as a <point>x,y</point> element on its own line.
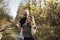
<point>27,29</point>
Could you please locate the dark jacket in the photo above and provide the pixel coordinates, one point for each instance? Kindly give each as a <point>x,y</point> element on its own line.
<point>22,21</point>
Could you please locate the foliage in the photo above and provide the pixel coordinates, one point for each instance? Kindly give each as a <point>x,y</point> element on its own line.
<point>46,18</point>
<point>4,17</point>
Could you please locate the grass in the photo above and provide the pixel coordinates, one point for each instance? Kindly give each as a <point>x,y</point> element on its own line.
<point>11,33</point>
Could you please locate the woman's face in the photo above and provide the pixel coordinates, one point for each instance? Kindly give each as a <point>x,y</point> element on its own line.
<point>29,20</point>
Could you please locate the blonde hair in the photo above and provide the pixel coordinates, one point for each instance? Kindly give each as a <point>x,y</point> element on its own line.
<point>27,12</point>
<point>27,20</point>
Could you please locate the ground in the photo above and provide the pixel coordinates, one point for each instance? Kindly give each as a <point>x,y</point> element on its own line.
<point>11,33</point>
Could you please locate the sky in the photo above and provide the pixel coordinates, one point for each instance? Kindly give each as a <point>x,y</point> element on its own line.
<point>13,6</point>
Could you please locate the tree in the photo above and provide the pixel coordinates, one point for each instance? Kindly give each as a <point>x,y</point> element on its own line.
<point>46,18</point>
<point>1,1</point>
<point>4,17</point>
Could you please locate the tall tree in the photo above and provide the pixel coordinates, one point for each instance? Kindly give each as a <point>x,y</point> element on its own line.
<point>4,17</point>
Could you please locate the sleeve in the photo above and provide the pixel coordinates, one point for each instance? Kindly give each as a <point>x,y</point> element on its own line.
<point>23,26</point>
<point>21,22</point>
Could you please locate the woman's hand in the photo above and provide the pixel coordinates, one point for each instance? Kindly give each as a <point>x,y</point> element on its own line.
<point>17,25</point>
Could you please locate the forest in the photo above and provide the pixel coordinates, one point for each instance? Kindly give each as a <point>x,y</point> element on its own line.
<point>46,15</point>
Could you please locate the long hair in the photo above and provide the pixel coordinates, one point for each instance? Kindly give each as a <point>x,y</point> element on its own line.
<point>29,18</point>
